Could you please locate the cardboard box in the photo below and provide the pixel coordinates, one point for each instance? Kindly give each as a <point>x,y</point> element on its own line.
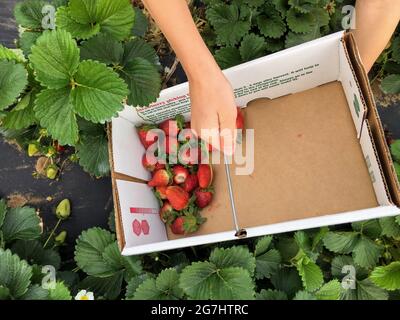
<point>320,153</point>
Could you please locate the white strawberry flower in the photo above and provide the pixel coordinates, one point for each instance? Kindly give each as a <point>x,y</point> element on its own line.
<point>84,295</point>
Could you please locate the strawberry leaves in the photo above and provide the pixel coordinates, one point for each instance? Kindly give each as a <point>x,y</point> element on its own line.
<point>13,80</point>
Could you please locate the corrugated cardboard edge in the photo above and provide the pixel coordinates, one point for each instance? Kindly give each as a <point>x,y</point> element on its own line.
<point>114,176</point>
<point>374,121</point>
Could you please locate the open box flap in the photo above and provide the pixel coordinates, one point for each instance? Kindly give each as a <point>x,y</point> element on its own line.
<point>139,210</point>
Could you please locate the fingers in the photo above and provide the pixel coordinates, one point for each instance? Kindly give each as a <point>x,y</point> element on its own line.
<point>228,133</point>
<point>208,130</point>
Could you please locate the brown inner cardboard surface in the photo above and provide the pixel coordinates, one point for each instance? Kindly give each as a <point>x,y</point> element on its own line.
<point>218,213</point>
<point>308,161</point>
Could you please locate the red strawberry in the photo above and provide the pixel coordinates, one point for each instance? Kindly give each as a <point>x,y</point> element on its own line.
<point>185,224</point>
<point>205,175</point>
<point>145,227</point>
<point>239,119</point>
<point>58,147</point>
<point>191,183</point>
<point>180,174</point>
<point>203,197</point>
<point>148,162</point>
<point>142,131</point>
<point>187,135</point>
<point>159,166</point>
<point>189,158</point>
<point>161,178</point>
<point>171,145</point>
<point>178,197</point>
<point>165,211</point>
<point>162,192</point>
<point>172,127</point>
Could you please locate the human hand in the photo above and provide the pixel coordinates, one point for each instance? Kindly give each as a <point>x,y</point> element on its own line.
<point>214,109</point>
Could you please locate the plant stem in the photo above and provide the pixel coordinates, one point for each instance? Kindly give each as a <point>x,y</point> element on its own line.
<point>52,233</point>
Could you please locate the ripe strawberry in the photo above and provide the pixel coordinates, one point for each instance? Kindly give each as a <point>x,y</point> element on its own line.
<point>184,224</point>
<point>190,183</point>
<point>166,211</point>
<point>148,162</point>
<point>159,166</point>
<point>178,197</point>
<point>161,178</point>
<point>187,135</point>
<point>180,174</point>
<point>239,119</point>
<point>59,148</point>
<point>205,175</point>
<point>203,197</point>
<point>189,158</point>
<point>162,192</point>
<point>172,127</point>
<point>171,145</point>
<point>145,227</point>
<point>142,132</point>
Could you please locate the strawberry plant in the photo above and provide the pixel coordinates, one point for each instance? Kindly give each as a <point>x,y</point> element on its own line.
<point>72,77</point>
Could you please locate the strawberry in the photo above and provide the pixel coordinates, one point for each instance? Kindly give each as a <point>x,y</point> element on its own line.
<point>171,145</point>
<point>148,162</point>
<point>187,135</point>
<point>190,183</point>
<point>59,148</point>
<point>142,132</point>
<point>178,197</point>
<point>239,119</point>
<point>172,127</point>
<point>203,197</point>
<point>180,174</point>
<point>162,192</point>
<point>205,175</point>
<point>185,224</point>
<point>166,211</point>
<point>145,227</point>
<point>189,158</point>
<point>161,178</point>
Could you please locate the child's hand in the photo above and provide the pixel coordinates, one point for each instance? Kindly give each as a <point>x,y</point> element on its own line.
<point>213,107</point>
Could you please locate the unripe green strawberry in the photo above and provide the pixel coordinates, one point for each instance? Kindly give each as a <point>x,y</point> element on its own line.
<point>51,151</point>
<point>60,239</point>
<point>33,149</point>
<point>63,210</point>
<point>52,171</point>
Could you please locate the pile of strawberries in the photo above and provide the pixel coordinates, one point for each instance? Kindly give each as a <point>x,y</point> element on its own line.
<point>184,188</point>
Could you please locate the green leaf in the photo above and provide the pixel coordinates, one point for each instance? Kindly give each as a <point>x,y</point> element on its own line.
<point>4,293</point>
<point>370,228</point>
<point>281,6</point>
<point>300,22</point>
<point>29,14</point>
<point>55,58</point>
<point>32,251</point>
<point>395,149</point>
<point>35,292</point>
<point>64,21</point>
<point>141,23</point>
<point>9,54</point>
<point>303,6</point>
<point>85,11</point>
<point>329,291</point>
<point>22,116</point>
<point>387,277</point>
<point>60,292</point>
<point>202,280</point>
<point>233,257</point>
<point>108,287</point>
<point>271,24</point>
<point>102,48</point>
<point>227,22</point>
<point>27,40</point>
<point>93,155</point>
<point>134,283</point>
<point>119,25</point>
<point>389,227</point>
<point>15,274</point>
<point>287,247</point>
<point>271,295</point>
<point>262,245</point>
<point>227,57</point>
<point>341,242</point>
<point>167,282</point>
<point>310,274</point>
<point>267,264</point>
<point>3,211</point>
<point>391,84</point>
<point>13,80</point>
<point>138,48</point>
<point>55,110</point>
<point>143,81</point>
<point>99,92</point>
<point>148,290</point>
<point>252,47</point>
<point>396,49</point>
<point>89,250</point>
<point>21,223</point>
<point>366,252</point>
<point>304,295</point>
<point>294,39</point>
<point>340,261</point>
<point>365,290</point>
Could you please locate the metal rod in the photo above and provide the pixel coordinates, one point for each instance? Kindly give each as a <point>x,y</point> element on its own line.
<point>231,196</point>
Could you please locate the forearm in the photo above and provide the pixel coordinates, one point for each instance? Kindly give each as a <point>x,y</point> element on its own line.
<point>175,21</point>
<point>376,21</point>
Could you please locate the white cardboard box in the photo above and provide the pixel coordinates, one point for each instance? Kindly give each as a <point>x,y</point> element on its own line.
<point>321,156</point>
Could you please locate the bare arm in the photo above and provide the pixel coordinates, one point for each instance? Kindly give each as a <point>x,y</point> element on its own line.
<point>213,103</point>
<point>376,21</point>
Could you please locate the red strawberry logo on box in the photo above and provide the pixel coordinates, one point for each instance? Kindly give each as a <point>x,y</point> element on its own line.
<point>140,227</point>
